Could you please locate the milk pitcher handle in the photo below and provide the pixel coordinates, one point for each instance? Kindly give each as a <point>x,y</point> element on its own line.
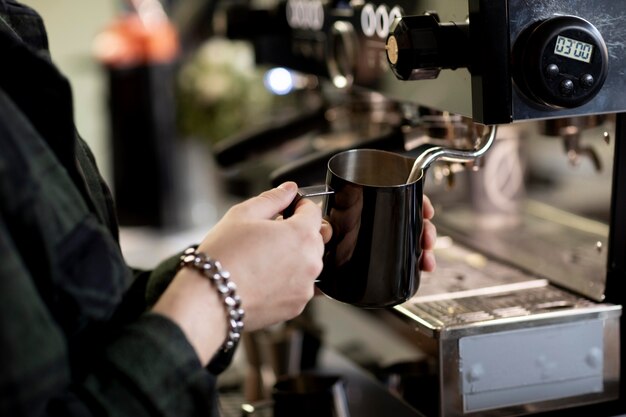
<point>312,191</point>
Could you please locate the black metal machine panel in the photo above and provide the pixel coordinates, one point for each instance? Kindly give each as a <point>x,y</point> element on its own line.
<point>494,61</point>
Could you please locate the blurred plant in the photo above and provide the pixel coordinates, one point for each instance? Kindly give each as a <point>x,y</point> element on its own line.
<point>221,91</point>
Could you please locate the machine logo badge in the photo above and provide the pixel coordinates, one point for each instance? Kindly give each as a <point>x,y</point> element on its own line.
<point>305,14</point>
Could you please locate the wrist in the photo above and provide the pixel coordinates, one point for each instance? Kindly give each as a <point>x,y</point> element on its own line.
<point>211,270</point>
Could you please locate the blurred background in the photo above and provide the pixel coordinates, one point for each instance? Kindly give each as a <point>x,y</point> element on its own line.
<point>209,92</point>
<point>71,46</point>
<point>168,107</point>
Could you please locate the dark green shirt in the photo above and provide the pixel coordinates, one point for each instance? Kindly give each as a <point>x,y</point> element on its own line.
<point>75,335</point>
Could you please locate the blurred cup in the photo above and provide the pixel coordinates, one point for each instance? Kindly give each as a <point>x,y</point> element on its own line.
<point>310,395</point>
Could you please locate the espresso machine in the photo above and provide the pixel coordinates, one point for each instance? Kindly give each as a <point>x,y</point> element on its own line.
<point>523,317</point>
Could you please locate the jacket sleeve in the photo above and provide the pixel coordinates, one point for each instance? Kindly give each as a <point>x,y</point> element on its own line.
<point>61,275</point>
<point>141,369</point>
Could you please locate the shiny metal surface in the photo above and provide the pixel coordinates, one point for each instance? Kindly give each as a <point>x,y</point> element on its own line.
<point>372,260</point>
<point>451,399</point>
<point>429,153</point>
<point>472,295</point>
<point>571,130</point>
<point>566,249</point>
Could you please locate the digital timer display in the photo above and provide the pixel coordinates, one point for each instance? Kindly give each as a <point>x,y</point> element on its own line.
<point>574,49</point>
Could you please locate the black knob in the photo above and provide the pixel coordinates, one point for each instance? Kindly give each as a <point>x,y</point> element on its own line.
<point>419,47</point>
<point>552,71</point>
<point>566,87</point>
<point>587,80</point>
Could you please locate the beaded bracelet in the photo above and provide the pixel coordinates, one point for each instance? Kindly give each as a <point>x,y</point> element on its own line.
<point>220,278</point>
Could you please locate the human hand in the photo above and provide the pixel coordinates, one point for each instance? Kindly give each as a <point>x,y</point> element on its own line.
<point>429,237</point>
<point>274,263</point>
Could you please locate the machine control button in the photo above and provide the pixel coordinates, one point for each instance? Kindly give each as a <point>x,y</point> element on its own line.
<point>552,71</point>
<point>566,87</point>
<point>587,80</point>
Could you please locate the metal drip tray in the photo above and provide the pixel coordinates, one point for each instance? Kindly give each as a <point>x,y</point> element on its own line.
<point>566,249</point>
<point>499,305</point>
<point>469,290</point>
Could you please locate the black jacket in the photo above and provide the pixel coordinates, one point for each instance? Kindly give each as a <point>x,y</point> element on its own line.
<point>75,335</point>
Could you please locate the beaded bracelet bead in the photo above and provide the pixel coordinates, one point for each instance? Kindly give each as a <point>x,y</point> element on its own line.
<point>220,278</point>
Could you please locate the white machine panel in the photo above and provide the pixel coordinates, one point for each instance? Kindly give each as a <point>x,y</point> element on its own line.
<point>529,365</point>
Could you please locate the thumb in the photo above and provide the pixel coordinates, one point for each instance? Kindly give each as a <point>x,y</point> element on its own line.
<point>271,202</point>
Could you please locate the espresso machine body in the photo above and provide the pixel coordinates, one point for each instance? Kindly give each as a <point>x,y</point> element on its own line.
<point>531,329</point>
<point>508,53</point>
<point>346,42</point>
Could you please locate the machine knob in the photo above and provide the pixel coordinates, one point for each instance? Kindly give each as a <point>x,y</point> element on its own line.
<point>419,47</point>
<point>560,62</point>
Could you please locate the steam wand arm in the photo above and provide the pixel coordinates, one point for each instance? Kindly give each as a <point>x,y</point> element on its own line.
<point>429,153</point>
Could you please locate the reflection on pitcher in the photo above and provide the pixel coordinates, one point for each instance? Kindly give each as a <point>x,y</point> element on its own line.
<point>346,213</point>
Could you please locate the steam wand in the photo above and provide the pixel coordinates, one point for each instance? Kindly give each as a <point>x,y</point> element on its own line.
<point>429,153</point>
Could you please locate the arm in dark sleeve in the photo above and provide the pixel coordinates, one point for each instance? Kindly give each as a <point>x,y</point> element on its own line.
<point>148,368</point>
<point>54,360</point>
